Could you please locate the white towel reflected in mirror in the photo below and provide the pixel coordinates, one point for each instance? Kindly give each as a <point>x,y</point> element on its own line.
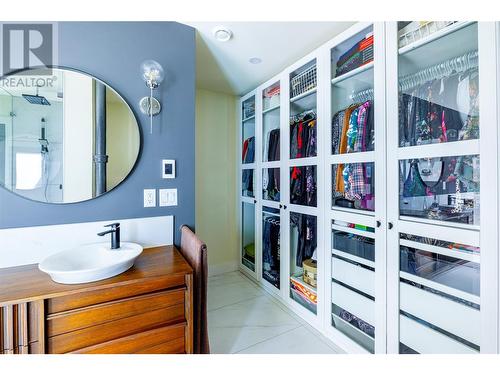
<point>28,170</point>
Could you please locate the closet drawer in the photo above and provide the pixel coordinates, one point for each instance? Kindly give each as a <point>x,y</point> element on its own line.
<point>83,299</point>
<point>355,303</point>
<point>437,310</point>
<point>166,340</point>
<point>105,312</point>
<point>355,276</point>
<point>426,340</point>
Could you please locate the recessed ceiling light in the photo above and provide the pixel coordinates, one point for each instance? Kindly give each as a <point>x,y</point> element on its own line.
<point>255,60</point>
<point>222,34</point>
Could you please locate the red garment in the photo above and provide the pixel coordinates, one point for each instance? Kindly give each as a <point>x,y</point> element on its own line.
<point>245,149</point>
<point>299,140</point>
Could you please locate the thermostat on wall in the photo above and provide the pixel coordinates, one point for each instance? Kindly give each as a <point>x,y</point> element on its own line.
<point>168,168</point>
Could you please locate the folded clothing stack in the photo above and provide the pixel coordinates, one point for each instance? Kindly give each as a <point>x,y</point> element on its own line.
<point>361,53</point>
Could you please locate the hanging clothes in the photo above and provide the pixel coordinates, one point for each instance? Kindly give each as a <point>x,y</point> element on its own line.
<point>247,183</point>
<point>303,135</point>
<point>303,186</point>
<point>339,181</point>
<point>271,184</point>
<point>248,150</point>
<point>271,250</point>
<point>440,110</point>
<point>273,145</point>
<point>306,226</point>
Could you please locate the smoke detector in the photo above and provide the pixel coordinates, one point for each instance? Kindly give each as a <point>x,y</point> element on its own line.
<point>255,60</point>
<point>222,34</point>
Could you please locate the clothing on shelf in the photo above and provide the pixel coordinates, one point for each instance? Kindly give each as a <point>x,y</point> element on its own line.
<point>306,226</point>
<point>248,150</point>
<point>303,188</point>
<point>248,108</point>
<point>359,54</point>
<point>356,322</point>
<point>303,135</point>
<point>247,183</point>
<point>440,110</point>
<point>271,249</point>
<point>272,151</point>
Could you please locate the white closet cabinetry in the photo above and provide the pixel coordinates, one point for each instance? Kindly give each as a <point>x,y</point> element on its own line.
<point>402,219</point>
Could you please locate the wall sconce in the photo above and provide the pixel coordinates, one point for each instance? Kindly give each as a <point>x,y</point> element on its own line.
<point>153,74</point>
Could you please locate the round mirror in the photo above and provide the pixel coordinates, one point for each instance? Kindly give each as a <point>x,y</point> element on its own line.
<point>65,136</point>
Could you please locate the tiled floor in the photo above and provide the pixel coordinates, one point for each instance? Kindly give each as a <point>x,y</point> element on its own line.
<point>243,318</point>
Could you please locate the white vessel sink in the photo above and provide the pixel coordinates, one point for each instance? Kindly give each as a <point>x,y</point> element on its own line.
<point>89,263</point>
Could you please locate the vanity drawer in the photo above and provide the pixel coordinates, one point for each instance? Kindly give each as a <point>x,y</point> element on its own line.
<point>110,311</point>
<point>166,340</point>
<point>83,299</point>
<point>115,329</point>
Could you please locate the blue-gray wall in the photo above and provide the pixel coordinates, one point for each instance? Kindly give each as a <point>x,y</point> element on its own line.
<point>113,52</point>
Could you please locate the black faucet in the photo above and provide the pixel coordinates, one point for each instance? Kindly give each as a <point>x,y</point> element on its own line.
<point>115,235</point>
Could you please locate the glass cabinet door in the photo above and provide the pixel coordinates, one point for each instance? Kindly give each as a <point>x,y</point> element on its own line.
<point>248,131</point>
<point>438,185</point>
<point>271,241</point>
<point>248,180</point>
<point>248,258</point>
<point>303,244</point>
<point>271,123</point>
<point>302,175</point>
<point>353,143</point>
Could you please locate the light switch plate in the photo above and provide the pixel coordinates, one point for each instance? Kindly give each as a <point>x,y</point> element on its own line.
<point>149,197</point>
<point>168,168</point>
<point>168,197</point>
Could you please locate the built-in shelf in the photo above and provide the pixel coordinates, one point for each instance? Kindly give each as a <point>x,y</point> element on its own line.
<point>353,210</point>
<point>248,118</point>
<point>440,287</point>
<point>270,109</point>
<point>353,157</point>
<point>441,223</point>
<point>303,95</point>
<point>454,253</point>
<point>354,258</point>
<point>301,281</point>
<point>355,72</point>
<point>439,150</point>
<point>436,35</point>
<point>355,231</point>
<point>452,42</point>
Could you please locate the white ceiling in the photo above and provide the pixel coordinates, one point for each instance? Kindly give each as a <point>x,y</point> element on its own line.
<point>224,66</point>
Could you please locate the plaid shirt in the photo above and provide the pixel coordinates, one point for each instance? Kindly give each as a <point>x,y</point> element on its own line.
<point>360,142</point>
<point>356,186</point>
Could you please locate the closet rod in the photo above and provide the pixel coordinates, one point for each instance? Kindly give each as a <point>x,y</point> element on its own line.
<point>270,214</point>
<point>363,95</point>
<point>302,115</point>
<point>457,64</point>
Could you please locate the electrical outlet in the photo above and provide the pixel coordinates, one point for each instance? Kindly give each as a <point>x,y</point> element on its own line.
<point>168,197</point>
<point>149,197</point>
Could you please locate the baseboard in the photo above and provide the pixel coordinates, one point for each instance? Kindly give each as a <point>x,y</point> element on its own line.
<point>218,269</point>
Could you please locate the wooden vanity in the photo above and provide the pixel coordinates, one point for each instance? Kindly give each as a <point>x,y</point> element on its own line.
<point>147,309</point>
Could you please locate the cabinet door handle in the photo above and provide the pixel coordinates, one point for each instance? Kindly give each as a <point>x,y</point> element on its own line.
<point>255,201</point>
<point>284,206</point>
<point>378,223</point>
<point>390,225</point>
<point>281,206</point>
